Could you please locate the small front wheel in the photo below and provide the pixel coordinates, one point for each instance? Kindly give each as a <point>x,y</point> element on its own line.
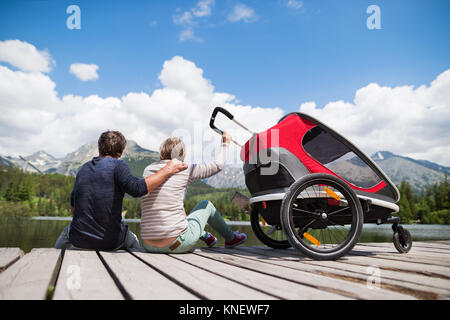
<point>321,216</point>
<point>402,240</point>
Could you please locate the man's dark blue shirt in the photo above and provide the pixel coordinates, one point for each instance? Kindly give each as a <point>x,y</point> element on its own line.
<point>97,199</point>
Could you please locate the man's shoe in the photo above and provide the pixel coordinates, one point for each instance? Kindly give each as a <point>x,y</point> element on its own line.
<point>238,239</point>
<point>210,240</point>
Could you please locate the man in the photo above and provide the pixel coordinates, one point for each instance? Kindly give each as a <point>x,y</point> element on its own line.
<point>96,199</point>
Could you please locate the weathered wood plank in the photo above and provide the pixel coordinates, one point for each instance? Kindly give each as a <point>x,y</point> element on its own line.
<point>141,281</point>
<point>293,255</point>
<point>204,283</point>
<point>8,256</point>
<point>30,277</point>
<point>83,276</point>
<point>306,277</point>
<point>392,250</point>
<point>415,267</point>
<point>421,244</point>
<point>414,249</point>
<point>419,286</point>
<point>446,242</point>
<point>431,270</point>
<point>255,277</point>
<point>391,255</point>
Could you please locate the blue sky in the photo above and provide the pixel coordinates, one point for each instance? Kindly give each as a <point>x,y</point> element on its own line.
<point>321,52</point>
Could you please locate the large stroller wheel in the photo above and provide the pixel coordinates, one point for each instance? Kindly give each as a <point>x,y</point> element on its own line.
<point>272,236</point>
<point>321,216</point>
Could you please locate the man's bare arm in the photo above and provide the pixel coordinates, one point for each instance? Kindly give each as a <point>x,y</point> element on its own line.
<point>173,166</point>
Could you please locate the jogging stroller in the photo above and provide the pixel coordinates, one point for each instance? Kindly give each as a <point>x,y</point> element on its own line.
<point>312,189</point>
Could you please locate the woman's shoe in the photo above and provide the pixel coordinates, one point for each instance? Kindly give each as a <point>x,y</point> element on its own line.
<point>210,240</point>
<point>238,239</point>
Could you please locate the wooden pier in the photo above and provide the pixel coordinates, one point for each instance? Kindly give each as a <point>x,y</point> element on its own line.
<point>371,271</point>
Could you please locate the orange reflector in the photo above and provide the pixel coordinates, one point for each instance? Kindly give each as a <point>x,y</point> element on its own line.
<point>263,221</point>
<point>312,239</point>
<point>331,193</point>
<point>264,205</point>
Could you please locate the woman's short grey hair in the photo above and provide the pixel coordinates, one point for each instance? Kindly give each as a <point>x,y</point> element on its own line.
<point>172,148</point>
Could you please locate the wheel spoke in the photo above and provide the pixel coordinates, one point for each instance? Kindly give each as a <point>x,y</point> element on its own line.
<point>271,230</point>
<point>340,210</point>
<point>306,211</point>
<point>305,228</point>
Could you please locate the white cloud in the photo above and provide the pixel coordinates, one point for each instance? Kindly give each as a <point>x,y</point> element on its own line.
<point>294,4</point>
<point>84,72</point>
<point>184,19</point>
<point>203,8</point>
<point>241,12</point>
<point>189,19</point>
<point>408,121</point>
<point>189,34</point>
<point>33,117</point>
<point>25,56</point>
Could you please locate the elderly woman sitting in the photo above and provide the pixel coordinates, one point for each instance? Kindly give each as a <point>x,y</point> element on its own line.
<point>165,228</point>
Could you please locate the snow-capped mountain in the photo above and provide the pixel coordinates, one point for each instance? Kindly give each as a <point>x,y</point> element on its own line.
<point>40,160</point>
<point>136,157</point>
<point>419,173</point>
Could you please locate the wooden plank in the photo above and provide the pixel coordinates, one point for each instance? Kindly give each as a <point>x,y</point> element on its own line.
<point>431,270</point>
<point>141,281</point>
<point>83,276</point>
<point>419,286</point>
<point>432,245</point>
<point>446,242</point>
<point>254,276</point>
<point>414,267</point>
<point>292,255</point>
<point>306,277</point>
<point>389,249</point>
<point>204,283</point>
<point>31,276</point>
<point>414,249</point>
<point>391,255</point>
<point>8,256</point>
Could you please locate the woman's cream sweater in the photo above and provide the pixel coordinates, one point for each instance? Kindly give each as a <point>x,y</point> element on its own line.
<point>163,214</point>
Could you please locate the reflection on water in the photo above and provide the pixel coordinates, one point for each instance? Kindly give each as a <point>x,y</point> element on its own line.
<point>32,233</point>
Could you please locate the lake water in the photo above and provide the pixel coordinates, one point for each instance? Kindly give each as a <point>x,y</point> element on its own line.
<point>42,232</point>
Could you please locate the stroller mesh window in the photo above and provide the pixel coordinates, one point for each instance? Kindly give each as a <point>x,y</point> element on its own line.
<point>337,157</point>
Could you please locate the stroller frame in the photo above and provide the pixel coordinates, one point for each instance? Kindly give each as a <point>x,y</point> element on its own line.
<point>312,159</point>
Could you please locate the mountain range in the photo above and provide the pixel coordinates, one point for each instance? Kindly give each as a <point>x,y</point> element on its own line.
<point>419,173</point>
<point>136,157</point>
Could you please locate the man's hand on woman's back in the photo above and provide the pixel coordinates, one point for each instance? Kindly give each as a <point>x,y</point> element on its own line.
<point>175,166</point>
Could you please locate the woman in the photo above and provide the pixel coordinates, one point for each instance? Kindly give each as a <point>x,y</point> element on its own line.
<point>165,228</point>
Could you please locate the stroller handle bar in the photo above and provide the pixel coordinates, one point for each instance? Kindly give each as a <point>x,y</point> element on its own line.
<point>229,116</point>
